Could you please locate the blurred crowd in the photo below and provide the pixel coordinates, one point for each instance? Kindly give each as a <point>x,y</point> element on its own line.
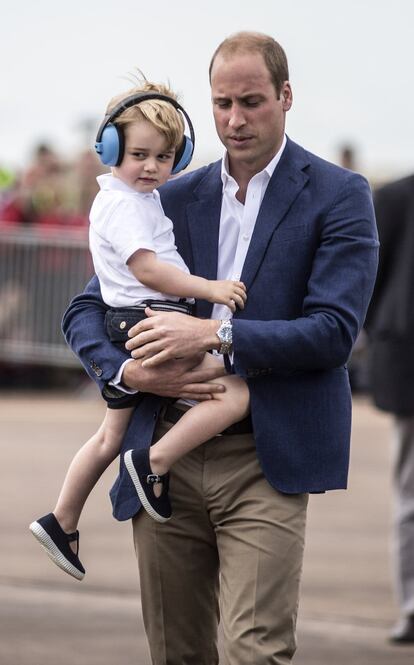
<point>44,259</point>
<point>50,191</point>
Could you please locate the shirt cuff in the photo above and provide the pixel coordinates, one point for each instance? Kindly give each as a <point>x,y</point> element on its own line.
<point>117,380</point>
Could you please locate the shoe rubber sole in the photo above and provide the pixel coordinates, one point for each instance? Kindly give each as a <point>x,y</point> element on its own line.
<point>140,490</point>
<point>54,552</point>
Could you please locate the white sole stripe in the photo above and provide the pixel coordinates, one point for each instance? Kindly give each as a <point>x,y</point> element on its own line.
<point>53,551</point>
<point>140,491</point>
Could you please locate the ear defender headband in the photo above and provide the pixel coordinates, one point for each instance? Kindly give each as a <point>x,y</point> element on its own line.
<point>110,142</point>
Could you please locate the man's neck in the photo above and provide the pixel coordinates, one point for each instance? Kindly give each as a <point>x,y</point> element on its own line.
<point>243,171</point>
<point>242,174</point>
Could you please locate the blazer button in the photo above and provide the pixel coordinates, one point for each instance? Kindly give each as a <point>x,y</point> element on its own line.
<point>98,371</point>
<point>122,325</point>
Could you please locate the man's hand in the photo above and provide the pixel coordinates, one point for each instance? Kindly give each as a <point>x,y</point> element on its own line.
<point>175,378</point>
<point>167,336</point>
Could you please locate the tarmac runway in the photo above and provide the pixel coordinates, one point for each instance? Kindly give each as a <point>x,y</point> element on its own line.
<point>47,618</point>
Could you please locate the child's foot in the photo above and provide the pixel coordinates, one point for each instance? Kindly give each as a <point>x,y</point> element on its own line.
<point>56,542</point>
<point>139,468</point>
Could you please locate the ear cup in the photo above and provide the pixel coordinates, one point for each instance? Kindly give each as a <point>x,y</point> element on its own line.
<point>111,146</point>
<point>183,155</point>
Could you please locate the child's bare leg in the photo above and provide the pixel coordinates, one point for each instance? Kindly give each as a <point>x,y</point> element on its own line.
<point>202,421</point>
<point>88,465</point>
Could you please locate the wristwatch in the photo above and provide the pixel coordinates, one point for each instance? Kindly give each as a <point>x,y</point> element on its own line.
<point>225,335</point>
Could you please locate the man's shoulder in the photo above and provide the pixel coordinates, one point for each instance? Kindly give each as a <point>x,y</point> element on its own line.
<point>188,182</point>
<point>318,165</point>
<point>324,175</point>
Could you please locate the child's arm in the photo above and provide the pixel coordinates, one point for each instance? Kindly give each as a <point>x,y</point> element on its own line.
<point>169,279</point>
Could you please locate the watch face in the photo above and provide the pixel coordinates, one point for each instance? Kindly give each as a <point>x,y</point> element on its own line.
<point>224,332</point>
<point>225,335</point>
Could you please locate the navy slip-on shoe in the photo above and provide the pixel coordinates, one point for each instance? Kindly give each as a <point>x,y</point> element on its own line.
<point>138,466</point>
<point>56,543</point>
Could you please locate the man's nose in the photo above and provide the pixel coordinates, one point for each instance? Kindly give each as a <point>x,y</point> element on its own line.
<point>237,118</point>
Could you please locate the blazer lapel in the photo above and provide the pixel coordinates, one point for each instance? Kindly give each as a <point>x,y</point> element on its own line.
<point>285,185</point>
<point>203,226</point>
<point>203,216</point>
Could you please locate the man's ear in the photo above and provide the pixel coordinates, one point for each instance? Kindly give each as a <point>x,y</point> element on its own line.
<point>286,96</point>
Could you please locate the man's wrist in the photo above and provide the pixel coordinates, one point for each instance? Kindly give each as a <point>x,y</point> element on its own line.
<point>118,380</point>
<point>225,336</point>
<point>212,341</point>
<point>128,378</point>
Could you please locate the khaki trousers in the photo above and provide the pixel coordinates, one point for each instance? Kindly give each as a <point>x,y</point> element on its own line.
<point>233,549</point>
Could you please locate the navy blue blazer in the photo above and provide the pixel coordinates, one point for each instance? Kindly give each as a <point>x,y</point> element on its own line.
<point>309,273</point>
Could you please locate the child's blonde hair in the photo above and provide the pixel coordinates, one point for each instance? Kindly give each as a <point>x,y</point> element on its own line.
<point>162,115</point>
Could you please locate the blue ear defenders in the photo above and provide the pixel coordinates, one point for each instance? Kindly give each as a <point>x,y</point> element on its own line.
<point>110,143</point>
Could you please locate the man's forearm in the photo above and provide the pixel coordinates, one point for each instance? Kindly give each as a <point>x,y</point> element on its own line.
<point>175,378</point>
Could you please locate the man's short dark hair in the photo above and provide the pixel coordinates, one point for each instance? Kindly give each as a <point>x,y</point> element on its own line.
<point>255,42</point>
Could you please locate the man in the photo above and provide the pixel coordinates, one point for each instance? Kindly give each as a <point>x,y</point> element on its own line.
<point>390,326</point>
<point>300,233</point>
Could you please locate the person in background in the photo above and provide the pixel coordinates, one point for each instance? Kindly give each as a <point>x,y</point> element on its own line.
<point>390,329</point>
<point>347,157</point>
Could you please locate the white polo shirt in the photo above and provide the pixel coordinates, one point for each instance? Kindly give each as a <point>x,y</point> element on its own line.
<point>123,221</point>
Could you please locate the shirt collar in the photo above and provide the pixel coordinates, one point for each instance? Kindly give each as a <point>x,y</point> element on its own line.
<point>226,178</point>
<point>108,182</point>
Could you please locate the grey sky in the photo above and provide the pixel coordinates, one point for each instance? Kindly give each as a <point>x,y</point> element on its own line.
<point>350,63</point>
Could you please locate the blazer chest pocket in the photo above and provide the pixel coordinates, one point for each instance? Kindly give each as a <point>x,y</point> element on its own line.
<point>291,233</point>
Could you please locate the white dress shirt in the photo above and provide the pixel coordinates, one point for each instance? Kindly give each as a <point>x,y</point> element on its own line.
<point>237,222</point>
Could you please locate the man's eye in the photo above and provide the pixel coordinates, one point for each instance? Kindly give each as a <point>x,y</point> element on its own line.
<point>251,103</point>
<point>223,104</point>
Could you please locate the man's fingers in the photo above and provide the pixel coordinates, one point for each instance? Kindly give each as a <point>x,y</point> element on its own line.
<point>150,349</point>
<point>205,389</point>
<point>200,397</point>
<point>156,359</point>
<point>137,328</point>
<point>144,337</point>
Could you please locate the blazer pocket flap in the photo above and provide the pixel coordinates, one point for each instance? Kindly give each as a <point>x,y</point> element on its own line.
<point>289,233</point>
<point>118,322</point>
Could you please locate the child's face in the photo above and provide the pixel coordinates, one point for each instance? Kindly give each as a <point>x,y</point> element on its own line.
<point>147,163</point>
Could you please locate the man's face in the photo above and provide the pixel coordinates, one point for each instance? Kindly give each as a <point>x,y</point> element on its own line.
<point>250,120</point>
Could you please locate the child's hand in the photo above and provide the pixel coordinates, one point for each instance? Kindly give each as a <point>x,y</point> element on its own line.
<point>227,292</point>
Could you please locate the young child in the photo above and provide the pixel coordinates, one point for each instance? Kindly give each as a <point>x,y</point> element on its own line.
<point>136,260</point>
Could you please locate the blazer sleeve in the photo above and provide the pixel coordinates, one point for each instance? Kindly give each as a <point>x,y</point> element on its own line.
<point>84,330</point>
<point>336,300</point>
